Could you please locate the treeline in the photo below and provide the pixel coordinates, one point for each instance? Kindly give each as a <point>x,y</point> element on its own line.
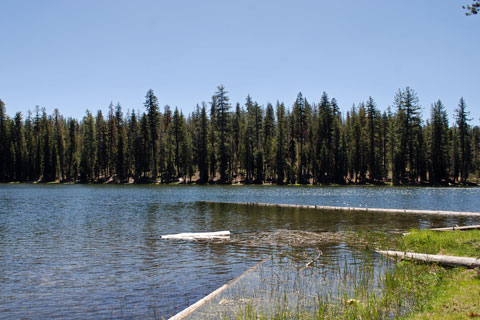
<point>310,142</point>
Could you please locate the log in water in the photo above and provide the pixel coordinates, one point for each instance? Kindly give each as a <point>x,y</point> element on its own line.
<point>186,312</point>
<point>435,258</point>
<point>455,228</point>
<point>359,209</point>
<point>199,236</point>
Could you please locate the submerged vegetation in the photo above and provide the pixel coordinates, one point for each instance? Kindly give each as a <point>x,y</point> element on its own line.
<point>366,287</point>
<point>309,143</point>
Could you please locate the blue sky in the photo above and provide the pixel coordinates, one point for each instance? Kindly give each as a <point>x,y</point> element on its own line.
<point>78,55</point>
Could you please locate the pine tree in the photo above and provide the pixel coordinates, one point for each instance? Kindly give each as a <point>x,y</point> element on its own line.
<point>438,144</point>
<point>222,116</point>
<point>249,141</point>
<point>324,140</point>
<point>112,136</point>
<point>132,142</point>
<point>373,138</point>
<point>151,105</point>
<point>281,144</point>
<point>102,144</point>
<point>71,156</point>
<point>20,148</point>
<point>268,136</point>
<point>178,132</point>
<point>203,146</point>
<point>144,148</point>
<point>48,153</point>
<point>476,151</point>
<point>236,140</point>
<point>408,125</point>
<point>169,173</point>
<point>60,142</point>
<point>292,149</point>
<point>462,120</point>
<point>4,146</point>
<point>88,151</point>
<point>121,147</point>
<point>301,129</point>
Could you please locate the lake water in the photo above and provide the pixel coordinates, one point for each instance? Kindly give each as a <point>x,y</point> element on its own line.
<point>88,251</point>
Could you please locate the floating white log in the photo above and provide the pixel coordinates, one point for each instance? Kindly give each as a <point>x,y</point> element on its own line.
<point>199,236</point>
<point>436,258</point>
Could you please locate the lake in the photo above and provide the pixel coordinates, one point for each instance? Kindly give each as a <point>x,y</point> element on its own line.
<point>94,251</point>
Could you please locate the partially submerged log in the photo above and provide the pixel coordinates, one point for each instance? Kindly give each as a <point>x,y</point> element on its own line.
<point>435,258</point>
<point>355,209</point>
<point>218,235</point>
<point>456,228</point>
<point>191,309</point>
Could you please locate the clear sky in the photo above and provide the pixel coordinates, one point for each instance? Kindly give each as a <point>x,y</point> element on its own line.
<point>78,55</point>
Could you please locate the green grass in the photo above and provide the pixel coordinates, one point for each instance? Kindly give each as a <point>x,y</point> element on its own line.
<point>454,243</point>
<point>457,298</point>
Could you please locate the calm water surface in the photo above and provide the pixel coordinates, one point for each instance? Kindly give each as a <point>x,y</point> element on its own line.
<point>85,251</point>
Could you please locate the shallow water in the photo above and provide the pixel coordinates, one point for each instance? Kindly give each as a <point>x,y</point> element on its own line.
<point>87,251</point>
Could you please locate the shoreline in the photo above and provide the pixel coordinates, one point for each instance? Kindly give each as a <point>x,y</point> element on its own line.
<point>194,183</point>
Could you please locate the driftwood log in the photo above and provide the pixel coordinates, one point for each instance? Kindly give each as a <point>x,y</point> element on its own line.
<point>435,258</point>
<point>454,228</point>
<point>218,235</point>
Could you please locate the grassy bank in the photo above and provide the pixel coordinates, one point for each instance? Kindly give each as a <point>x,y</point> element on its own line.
<point>458,293</point>
<point>405,290</point>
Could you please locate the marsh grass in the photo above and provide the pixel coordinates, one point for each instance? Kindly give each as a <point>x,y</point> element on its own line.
<point>455,243</point>
<point>359,291</point>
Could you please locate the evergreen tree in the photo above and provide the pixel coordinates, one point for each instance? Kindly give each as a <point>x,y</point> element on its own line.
<point>292,149</point>
<point>144,148</point>
<point>438,144</point>
<point>462,120</point>
<point>102,144</point>
<point>222,116</point>
<point>169,155</point>
<point>48,163</point>
<point>121,148</point>
<point>373,141</point>
<point>249,141</point>
<point>212,140</point>
<point>88,152</point>
<point>132,145</point>
<point>60,142</point>
<point>236,140</point>
<point>203,146</point>
<point>301,129</point>
<point>281,144</point>
<point>408,125</point>
<point>268,136</point>
<point>178,132</point>
<point>151,105</point>
<point>476,151</point>
<point>324,140</point>
<point>71,156</point>
<point>4,145</point>
<point>20,148</point>
<point>112,136</point>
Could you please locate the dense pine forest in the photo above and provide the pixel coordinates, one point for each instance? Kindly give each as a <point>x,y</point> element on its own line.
<point>305,143</point>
